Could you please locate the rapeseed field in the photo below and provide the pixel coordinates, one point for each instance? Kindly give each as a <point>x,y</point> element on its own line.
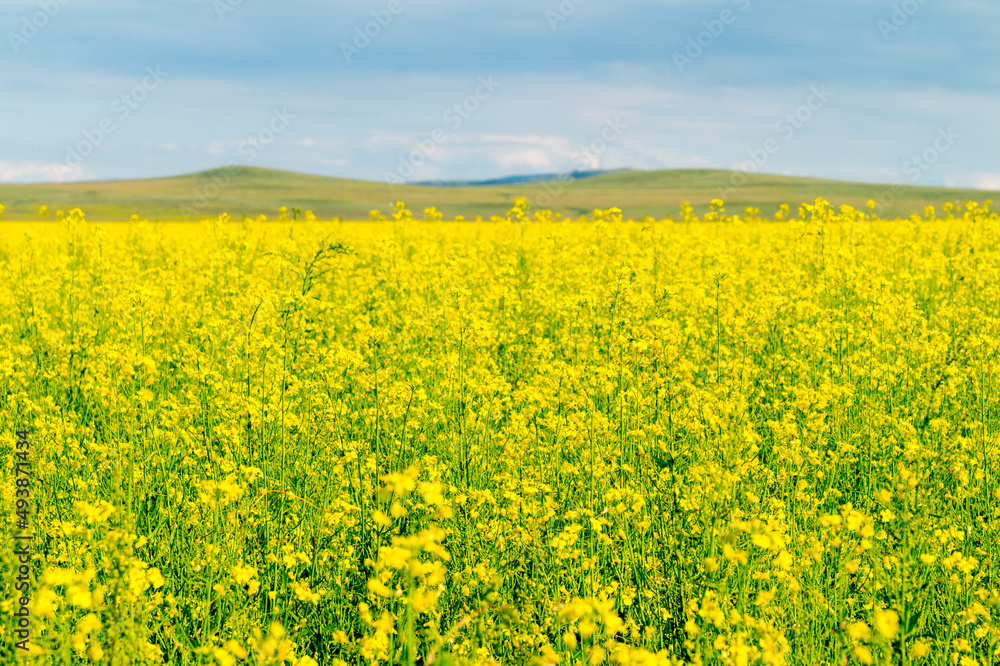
<point>700,440</point>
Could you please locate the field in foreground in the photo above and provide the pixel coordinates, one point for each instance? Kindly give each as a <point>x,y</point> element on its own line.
<point>412,442</point>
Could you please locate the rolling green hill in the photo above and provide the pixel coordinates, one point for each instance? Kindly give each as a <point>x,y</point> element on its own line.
<point>252,191</point>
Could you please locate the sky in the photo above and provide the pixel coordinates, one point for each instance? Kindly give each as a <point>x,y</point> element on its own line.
<point>901,91</point>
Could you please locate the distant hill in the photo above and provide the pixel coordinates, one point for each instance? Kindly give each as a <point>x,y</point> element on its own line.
<point>515,180</point>
<point>251,191</point>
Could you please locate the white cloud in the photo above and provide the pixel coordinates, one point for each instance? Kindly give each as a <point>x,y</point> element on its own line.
<point>537,159</point>
<point>550,142</point>
<point>383,140</point>
<point>982,180</point>
<point>217,148</point>
<point>13,172</point>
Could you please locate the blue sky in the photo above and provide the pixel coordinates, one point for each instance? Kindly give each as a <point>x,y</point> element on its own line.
<point>878,91</point>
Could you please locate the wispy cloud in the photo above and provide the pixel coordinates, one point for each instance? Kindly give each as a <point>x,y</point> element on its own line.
<point>14,172</point>
<point>986,181</point>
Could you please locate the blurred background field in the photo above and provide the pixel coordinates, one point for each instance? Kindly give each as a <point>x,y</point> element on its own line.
<point>254,191</point>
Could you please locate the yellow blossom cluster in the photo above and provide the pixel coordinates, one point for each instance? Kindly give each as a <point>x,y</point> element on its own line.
<point>705,439</point>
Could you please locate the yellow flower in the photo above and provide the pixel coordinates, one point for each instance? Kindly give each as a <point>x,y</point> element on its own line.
<point>303,593</point>
<point>98,512</point>
<point>733,555</point>
<point>859,631</point>
<point>245,576</point>
<point>155,578</point>
<point>887,622</point>
<point>919,650</point>
<point>79,596</point>
<point>863,654</point>
<point>88,623</point>
<point>46,602</point>
<point>224,657</point>
<point>236,649</point>
<point>379,588</point>
<point>784,560</point>
<point>764,597</point>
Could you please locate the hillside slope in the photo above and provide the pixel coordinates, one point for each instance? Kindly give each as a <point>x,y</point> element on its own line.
<point>251,191</point>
